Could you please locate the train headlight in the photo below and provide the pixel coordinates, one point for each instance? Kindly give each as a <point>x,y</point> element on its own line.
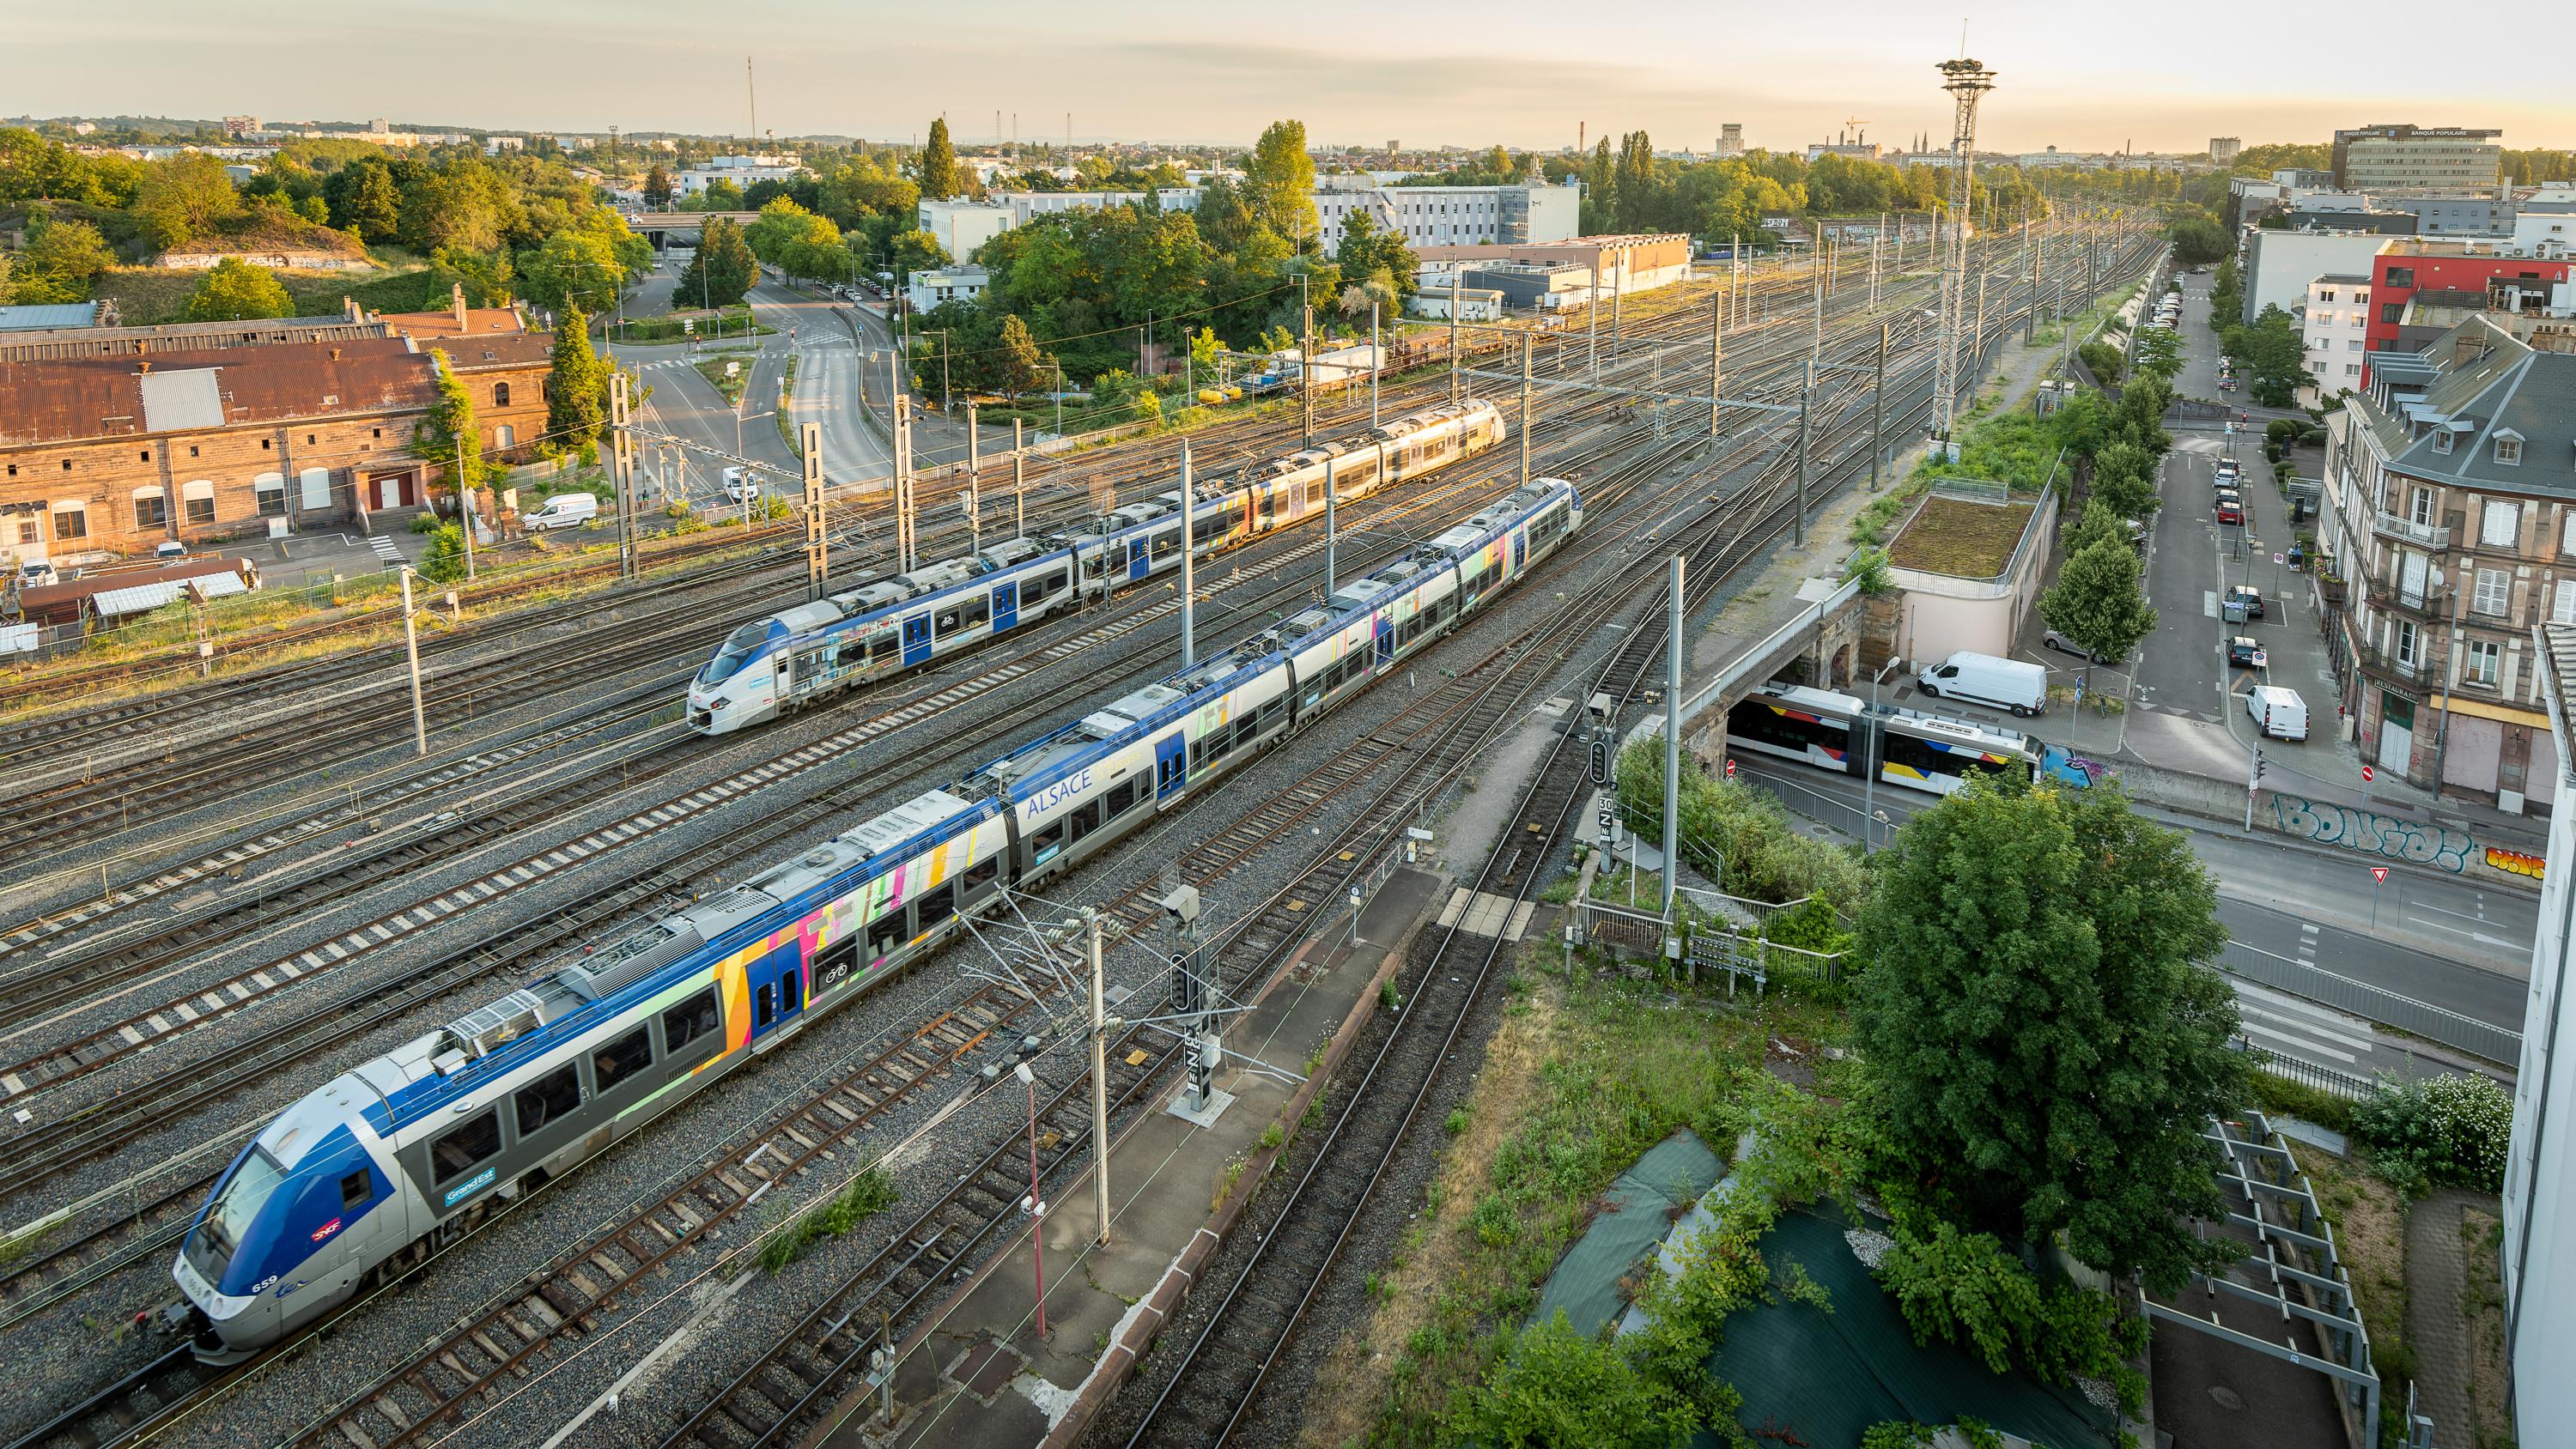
<point>718,702</point>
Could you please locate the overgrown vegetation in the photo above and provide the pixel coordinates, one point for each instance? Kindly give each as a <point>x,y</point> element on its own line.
<point>2451,1130</point>
<point>866,1195</point>
<point>1736,835</point>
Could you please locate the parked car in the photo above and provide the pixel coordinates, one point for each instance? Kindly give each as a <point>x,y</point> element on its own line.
<point>2252,597</point>
<point>2064,645</point>
<point>2244,653</point>
<point>2230,510</point>
<point>2277,712</point>
<point>564,510</point>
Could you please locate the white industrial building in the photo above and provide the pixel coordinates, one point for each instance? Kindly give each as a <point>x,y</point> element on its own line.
<point>740,170</point>
<point>927,289</point>
<point>962,226</point>
<point>2280,265</point>
<point>2539,1254</point>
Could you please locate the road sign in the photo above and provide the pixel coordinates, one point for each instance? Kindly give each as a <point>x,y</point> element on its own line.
<point>2366,776</point>
<point>733,369</point>
<point>2379,875</point>
<point>688,324</point>
<point>2276,558</point>
<point>1730,769</point>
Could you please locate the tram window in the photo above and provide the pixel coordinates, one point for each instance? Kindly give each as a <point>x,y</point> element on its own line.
<point>546,1099</point>
<point>686,1022</point>
<point>356,1189</point>
<point>612,1064</point>
<point>454,1152</point>
<point>938,906</point>
<point>1122,797</point>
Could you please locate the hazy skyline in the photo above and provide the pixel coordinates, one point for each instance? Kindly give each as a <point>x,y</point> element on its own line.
<point>1517,72</point>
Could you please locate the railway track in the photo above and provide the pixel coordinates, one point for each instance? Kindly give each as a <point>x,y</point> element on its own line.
<point>1445,726</point>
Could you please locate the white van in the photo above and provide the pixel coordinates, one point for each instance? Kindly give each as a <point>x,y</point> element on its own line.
<point>2277,712</point>
<point>1984,679</point>
<point>738,487</point>
<point>564,510</point>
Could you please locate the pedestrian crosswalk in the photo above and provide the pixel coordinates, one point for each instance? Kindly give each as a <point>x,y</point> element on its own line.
<point>2303,1031</point>
<point>384,548</point>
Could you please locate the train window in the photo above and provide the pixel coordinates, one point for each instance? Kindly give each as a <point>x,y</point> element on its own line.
<point>454,1152</point>
<point>766,1003</point>
<point>938,906</point>
<point>978,609</point>
<point>945,624</point>
<point>886,935</point>
<point>612,1064</point>
<point>1122,797</point>
<point>546,1099</point>
<point>356,1189</point>
<point>1046,842</point>
<point>1244,729</point>
<point>981,873</point>
<point>1198,754</point>
<point>1086,820</point>
<point>688,1021</point>
<point>832,967</point>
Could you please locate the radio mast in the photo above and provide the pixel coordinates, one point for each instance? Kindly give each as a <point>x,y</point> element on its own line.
<point>1967,82</point>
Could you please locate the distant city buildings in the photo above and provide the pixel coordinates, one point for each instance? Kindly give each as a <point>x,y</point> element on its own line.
<point>1425,216</point>
<point>1730,138</point>
<point>740,171</point>
<point>2225,149</point>
<point>2369,157</point>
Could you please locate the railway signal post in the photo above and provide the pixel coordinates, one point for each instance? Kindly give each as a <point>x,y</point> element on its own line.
<point>1090,926</point>
<point>1673,737</point>
<point>1332,537</point>
<point>903,482</point>
<point>1189,570</point>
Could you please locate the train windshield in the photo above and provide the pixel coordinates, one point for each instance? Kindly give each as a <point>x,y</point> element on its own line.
<point>737,651</point>
<point>229,1217</point>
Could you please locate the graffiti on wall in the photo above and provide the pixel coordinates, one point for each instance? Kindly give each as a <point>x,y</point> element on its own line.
<point>2514,862</point>
<point>2370,833</point>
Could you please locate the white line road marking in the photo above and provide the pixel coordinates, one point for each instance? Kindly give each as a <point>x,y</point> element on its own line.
<point>2299,1044</point>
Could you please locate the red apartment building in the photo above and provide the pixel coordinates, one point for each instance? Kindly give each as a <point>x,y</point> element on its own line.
<point>2403,268</point>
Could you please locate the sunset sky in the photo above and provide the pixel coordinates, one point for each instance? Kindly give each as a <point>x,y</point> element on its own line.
<point>2082,77</point>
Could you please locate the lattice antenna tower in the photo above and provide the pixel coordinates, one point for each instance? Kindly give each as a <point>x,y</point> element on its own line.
<point>1967,82</point>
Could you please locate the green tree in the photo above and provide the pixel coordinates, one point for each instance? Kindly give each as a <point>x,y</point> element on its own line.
<point>2045,1044</point>
<point>574,405</point>
<point>188,195</point>
<point>918,251</point>
<point>572,266</point>
<point>722,272</point>
<point>2197,241</point>
<point>485,276</point>
<point>2271,352</point>
<point>657,187</point>
<point>2097,601</point>
<point>1205,346</point>
<point>443,562</point>
<point>447,437</point>
<point>2124,477</point>
<point>1368,254</point>
<point>1279,183</point>
<point>61,261</point>
<point>2097,522</point>
<point>1018,365</point>
<point>938,167</point>
<point>1601,189</point>
<point>363,201</point>
<point>235,291</point>
<point>2159,355</point>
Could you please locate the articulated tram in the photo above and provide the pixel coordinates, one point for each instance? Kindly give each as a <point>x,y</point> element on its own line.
<point>1909,749</point>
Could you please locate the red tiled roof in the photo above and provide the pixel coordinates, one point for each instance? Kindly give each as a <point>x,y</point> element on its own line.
<point>70,399</point>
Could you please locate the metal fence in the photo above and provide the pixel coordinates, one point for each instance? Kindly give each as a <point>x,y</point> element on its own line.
<point>2479,1039</point>
<point>2306,1074</point>
<point>1742,956</point>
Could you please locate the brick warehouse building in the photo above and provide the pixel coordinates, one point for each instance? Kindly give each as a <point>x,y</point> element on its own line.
<point>107,455</point>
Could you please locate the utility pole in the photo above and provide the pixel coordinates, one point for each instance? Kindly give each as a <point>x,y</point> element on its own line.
<point>1306,363</point>
<point>465,508</point>
<point>1377,360</point>
<point>1189,566</point>
<point>1592,320</point>
<point>1099,1078</point>
<point>1806,391</point>
<point>1332,536</point>
<point>1878,412</point>
<point>817,558</point>
<point>1716,364</point>
<point>1673,739</point>
<point>2030,320</point>
<point>1019,479</point>
<point>1528,425</point>
<point>1618,293</point>
<point>621,454</point>
<point>974,468</point>
<point>1456,269</point>
<point>411,649</point>
<point>903,482</point>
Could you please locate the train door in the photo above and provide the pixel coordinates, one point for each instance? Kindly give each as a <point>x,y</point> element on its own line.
<point>1171,765</point>
<point>916,640</point>
<point>1385,640</point>
<point>777,990</point>
<point>1139,561</point>
<point>1520,548</point>
<point>1006,605</point>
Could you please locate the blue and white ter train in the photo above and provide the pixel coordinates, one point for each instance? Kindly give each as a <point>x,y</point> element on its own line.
<point>801,655</point>
<point>402,1153</point>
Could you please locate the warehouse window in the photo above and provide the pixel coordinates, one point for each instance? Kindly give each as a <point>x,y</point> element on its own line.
<point>71,520</point>
<point>198,500</point>
<point>270,488</point>
<point>151,509</point>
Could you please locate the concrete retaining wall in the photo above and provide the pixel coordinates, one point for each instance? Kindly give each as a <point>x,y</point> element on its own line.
<point>2373,833</point>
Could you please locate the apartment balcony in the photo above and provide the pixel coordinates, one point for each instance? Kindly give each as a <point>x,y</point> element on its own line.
<point>2389,594</point>
<point>2425,536</point>
<point>2388,666</point>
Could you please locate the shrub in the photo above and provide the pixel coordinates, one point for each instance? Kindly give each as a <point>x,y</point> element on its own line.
<point>2449,1129</point>
<point>1966,1289</point>
<point>424,522</point>
<point>443,562</point>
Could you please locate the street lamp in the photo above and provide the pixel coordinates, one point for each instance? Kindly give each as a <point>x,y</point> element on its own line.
<point>1869,761</point>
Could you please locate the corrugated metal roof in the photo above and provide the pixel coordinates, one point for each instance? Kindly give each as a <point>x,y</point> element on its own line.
<point>144,598</point>
<point>67,399</point>
<point>51,314</point>
<point>176,400</point>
